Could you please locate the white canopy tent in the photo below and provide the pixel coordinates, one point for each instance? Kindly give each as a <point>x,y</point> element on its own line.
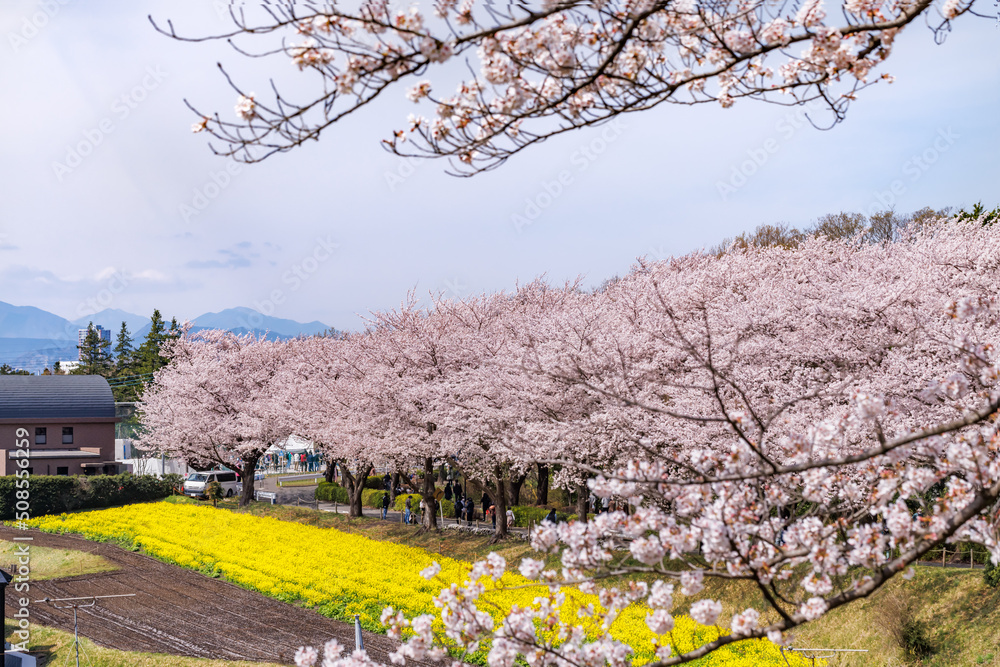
<point>292,443</point>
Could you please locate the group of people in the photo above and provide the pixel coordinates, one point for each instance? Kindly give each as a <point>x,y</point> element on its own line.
<point>282,461</point>
<point>599,505</point>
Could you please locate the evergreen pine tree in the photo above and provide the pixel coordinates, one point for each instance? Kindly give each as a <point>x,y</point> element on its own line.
<point>125,354</point>
<point>147,359</point>
<point>95,356</point>
<point>148,356</point>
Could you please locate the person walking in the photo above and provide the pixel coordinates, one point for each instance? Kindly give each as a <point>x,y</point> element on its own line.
<point>409,504</point>
<point>459,507</point>
<point>385,503</point>
<point>493,515</point>
<point>551,517</point>
<point>510,518</point>
<point>470,506</point>
<point>447,491</point>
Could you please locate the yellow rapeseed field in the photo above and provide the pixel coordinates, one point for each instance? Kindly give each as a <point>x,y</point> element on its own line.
<point>341,574</point>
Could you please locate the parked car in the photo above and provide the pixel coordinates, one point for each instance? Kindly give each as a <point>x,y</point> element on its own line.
<point>196,482</point>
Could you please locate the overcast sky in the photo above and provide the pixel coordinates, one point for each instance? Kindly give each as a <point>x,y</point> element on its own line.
<point>340,227</point>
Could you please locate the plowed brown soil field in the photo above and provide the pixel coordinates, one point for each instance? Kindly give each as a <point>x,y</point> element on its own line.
<point>179,611</point>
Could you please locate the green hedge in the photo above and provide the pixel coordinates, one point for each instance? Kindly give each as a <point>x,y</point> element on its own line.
<point>449,507</point>
<point>401,502</point>
<point>529,513</point>
<point>372,497</point>
<point>331,492</point>
<point>55,494</point>
<point>374,482</point>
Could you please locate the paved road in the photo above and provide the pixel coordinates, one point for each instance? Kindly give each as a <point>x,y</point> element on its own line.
<point>303,496</point>
<point>397,517</point>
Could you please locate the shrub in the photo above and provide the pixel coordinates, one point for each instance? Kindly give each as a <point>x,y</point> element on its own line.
<point>991,575</point>
<point>400,505</point>
<point>896,613</point>
<point>213,491</point>
<point>372,497</point>
<point>374,482</point>
<point>449,508</point>
<point>331,492</point>
<point>55,494</point>
<point>523,514</point>
<point>401,502</point>
<point>915,640</point>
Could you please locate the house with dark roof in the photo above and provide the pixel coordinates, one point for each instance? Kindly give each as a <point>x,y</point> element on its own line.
<point>67,420</point>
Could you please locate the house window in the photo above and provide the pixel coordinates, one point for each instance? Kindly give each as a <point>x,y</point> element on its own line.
<point>67,435</point>
<point>110,470</point>
<point>40,436</point>
<point>62,470</point>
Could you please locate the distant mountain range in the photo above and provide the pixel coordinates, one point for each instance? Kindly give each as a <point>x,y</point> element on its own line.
<point>34,339</point>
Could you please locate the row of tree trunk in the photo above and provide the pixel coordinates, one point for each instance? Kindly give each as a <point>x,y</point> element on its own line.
<point>498,489</point>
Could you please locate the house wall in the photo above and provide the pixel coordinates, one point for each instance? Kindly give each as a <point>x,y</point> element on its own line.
<point>97,437</point>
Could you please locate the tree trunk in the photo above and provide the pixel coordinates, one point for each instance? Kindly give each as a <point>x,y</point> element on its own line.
<point>429,519</point>
<point>331,471</point>
<point>247,473</point>
<point>515,489</point>
<point>355,485</point>
<point>543,484</point>
<point>500,503</point>
<point>582,493</point>
<point>393,483</point>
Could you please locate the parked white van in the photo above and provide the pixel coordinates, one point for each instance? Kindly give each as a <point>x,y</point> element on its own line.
<point>196,482</point>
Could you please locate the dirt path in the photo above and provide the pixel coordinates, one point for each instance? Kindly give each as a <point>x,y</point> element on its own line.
<point>181,612</point>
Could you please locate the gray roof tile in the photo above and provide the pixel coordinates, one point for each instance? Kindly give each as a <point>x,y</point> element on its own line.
<point>55,397</point>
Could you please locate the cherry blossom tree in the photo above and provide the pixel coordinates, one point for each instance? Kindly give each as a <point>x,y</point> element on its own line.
<point>813,421</point>
<point>810,420</point>
<point>535,70</point>
<point>331,410</point>
<point>222,400</point>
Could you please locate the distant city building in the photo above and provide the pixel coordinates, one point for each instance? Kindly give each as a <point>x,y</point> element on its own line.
<point>81,336</point>
<point>68,366</point>
<point>67,423</point>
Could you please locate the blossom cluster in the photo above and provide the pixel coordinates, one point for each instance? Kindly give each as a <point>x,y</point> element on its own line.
<point>813,419</point>
<point>542,68</point>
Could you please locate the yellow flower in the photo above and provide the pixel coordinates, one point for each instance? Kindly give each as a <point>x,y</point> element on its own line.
<point>341,574</point>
